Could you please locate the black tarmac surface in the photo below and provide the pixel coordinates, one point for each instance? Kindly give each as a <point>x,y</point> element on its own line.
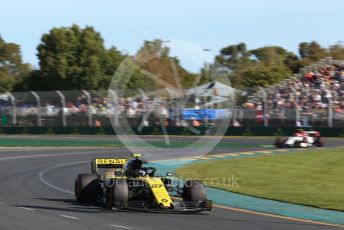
<point>36,192</point>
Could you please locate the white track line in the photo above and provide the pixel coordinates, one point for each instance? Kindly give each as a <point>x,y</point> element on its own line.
<point>279,216</point>
<point>25,208</point>
<point>120,226</point>
<point>41,175</point>
<point>47,155</point>
<point>31,149</point>
<point>70,217</point>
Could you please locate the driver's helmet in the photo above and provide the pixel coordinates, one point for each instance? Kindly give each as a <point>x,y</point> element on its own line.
<point>133,168</point>
<point>136,164</point>
<point>300,133</point>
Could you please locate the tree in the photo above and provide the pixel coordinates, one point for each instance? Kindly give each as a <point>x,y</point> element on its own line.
<point>12,68</point>
<point>336,51</point>
<point>311,52</point>
<point>233,54</point>
<point>276,56</point>
<point>159,69</point>
<point>75,58</point>
<point>262,75</point>
<point>257,67</point>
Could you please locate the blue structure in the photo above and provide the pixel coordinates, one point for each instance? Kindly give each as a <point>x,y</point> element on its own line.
<point>199,114</point>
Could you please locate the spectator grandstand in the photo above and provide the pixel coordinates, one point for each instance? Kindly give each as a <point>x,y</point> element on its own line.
<point>313,97</point>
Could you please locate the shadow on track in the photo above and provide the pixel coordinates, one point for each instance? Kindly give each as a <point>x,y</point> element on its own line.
<point>92,208</point>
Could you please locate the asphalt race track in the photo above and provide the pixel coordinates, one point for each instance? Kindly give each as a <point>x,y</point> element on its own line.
<point>36,192</point>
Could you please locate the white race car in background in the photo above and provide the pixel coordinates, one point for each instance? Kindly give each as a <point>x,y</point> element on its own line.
<point>301,139</point>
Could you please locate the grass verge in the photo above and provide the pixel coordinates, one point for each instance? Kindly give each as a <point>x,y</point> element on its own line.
<point>20,142</point>
<point>312,177</point>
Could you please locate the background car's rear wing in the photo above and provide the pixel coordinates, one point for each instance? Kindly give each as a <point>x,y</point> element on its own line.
<point>101,163</point>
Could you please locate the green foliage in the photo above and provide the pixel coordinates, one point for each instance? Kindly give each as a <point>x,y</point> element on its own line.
<point>258,67</point>
<point>12,69</point>
<point>75,58</point>
<point>262,75</point>
<point>336,51</point>
<point>232,55</point>
<point>153,57</point>
<point>312,50</point>
<point>152,49</point>
<point>139,81</point>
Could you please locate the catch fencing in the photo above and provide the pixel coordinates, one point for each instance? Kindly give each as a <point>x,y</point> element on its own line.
<point>91,108</point>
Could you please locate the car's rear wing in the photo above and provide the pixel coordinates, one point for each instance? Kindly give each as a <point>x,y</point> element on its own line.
<point>110,163</point>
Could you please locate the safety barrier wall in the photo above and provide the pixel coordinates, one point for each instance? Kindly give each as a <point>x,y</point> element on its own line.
<point>232,131</point>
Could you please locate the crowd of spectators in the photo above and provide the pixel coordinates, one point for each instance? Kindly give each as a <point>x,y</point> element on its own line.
<point>82,105</point>
<point>309,97</point>
<point>52,106</point>
<point>130,107</point>
<point>137,109</point>
<point>314,96</point>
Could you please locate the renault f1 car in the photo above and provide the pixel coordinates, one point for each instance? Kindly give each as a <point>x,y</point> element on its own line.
<point>301,139</point>
<point>119,183</point>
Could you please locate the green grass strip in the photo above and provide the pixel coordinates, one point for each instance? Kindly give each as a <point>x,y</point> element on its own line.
<point>105,143</point>
<point>312,177</point>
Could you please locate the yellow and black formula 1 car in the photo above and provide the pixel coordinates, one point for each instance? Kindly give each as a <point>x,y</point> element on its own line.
<point>126,184</point>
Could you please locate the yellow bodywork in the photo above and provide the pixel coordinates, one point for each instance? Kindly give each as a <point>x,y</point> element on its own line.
<point>156,185</point>
<point>159,191</point>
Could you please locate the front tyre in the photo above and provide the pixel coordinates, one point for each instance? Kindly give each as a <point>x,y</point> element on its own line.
<point>319,142</point>
<point>297,144</point>
<point>279,142</point>
<point>194,191</point>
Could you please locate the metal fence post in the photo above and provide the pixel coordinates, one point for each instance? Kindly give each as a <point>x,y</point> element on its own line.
<point>329,60</point>
<point>89,112</point>
<point>266,111</point>
<point>330,113</point>
<point>13,108</point>
<point>265,107</point>
<point>63,105</point>
<point>39,114</point>
<point>114,99</point>
<point>234,116</point>
<point>297,112</point>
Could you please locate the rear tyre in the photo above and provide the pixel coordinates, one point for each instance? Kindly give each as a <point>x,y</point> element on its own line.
<point>194,191</point>
<point>86,188</point>
<point>109,198</point>
<point>120,194</point>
